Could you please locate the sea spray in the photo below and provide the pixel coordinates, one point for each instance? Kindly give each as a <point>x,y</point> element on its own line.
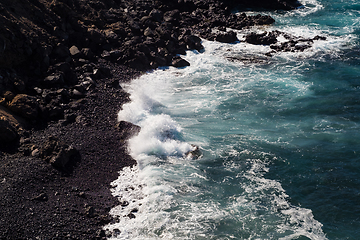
<point>174,197</point>
<point>275,133</point>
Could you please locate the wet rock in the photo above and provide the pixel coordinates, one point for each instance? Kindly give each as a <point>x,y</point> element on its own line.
<point>172,16</point>
<point>25,105</point>
<point>292,46</point>
<point>179,62</point>
<point>262,20</point>
<point>148,32</point>
<point>227,37</point>
<point>195,153</point>
<point>193,42</point>
<point>317,37</point>
<point>261,38</point>
<point>127,129</point>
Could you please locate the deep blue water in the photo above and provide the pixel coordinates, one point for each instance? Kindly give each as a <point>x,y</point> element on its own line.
<point>279,137</point>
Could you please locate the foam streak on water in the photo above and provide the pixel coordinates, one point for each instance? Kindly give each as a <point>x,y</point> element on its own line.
<point>266,126</point>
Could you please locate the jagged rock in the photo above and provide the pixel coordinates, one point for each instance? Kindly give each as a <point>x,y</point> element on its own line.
<point>227,37</point>
<point>179,62</point>
<point>7,132</point>
<point>261,38</point>
<point>193,42</point>
<point>25,105</point>
<point>194,154</point>
<point>127,129</point>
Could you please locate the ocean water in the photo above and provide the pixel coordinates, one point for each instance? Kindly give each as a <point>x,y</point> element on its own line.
<point>279,138</point>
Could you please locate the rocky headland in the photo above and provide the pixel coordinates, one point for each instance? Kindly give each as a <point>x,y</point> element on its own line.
<point>61,62</point>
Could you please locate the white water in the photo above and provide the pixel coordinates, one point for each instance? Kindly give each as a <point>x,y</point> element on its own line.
<point>224,194</point>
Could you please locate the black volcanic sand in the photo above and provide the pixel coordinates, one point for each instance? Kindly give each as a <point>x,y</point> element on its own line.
<point>40,201</point>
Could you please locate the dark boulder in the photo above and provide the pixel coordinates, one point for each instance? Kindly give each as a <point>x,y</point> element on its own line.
<point>127,129</point>
<point>25,105</point>
<point>261,38</point>
<point>292,46</point>
<point>227,37</point>
<point>194,154</point>
<point>193,42</point>
<point>179,62</point>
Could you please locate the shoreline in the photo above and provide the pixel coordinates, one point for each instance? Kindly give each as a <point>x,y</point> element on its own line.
<point>39,201</point>
<point>71,77</point>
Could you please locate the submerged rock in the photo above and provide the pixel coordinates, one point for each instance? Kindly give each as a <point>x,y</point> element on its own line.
<point>194,154</point>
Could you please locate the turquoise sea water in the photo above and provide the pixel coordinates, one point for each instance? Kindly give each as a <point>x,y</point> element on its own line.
<point>279,137</point>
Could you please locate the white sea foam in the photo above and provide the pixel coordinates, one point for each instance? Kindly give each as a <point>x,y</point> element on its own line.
<point>308,7</point>
<point>172,197</point>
